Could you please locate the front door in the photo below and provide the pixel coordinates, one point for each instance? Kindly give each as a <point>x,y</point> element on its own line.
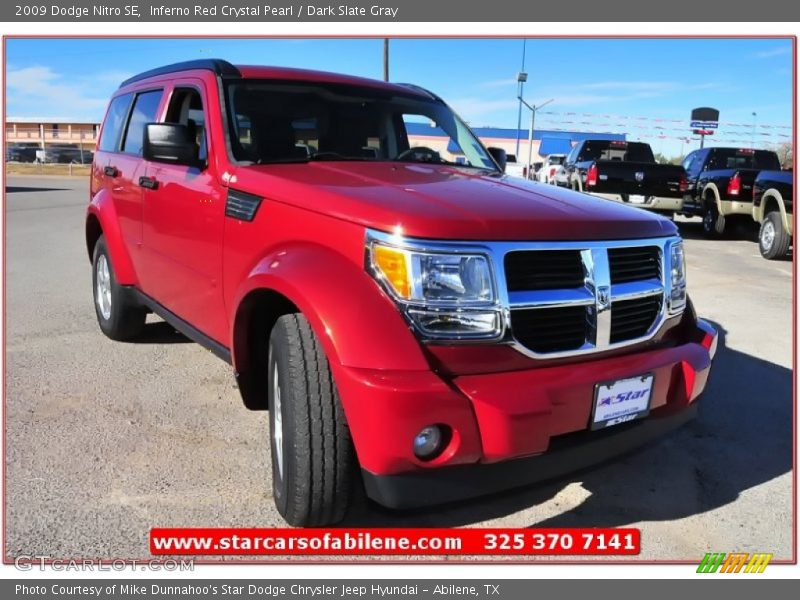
<point>182,224</point>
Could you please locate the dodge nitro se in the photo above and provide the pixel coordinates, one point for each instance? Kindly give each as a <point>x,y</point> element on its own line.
<point>415,321</point>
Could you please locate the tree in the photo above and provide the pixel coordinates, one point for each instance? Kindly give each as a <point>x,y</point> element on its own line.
<point>660,158</point>
<point>785,153</point>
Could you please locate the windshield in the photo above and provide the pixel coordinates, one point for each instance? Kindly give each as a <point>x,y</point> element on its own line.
<point>277,121</point>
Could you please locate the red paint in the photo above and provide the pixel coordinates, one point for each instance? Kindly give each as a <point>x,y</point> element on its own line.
<point>306,243</point>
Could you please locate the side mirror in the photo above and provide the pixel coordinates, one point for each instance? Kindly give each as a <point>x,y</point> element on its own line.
<point>499,156</point>
<point>170,143</point>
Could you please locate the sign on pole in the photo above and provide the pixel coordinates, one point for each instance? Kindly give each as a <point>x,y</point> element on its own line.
<point>704,121</point>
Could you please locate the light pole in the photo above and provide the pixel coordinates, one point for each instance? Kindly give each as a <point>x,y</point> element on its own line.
<point>386,59</point>
<point>522,77</point>
<point>533,108</point>
<point>753,136</point>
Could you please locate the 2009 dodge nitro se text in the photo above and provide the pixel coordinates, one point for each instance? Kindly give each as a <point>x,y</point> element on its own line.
<point>430,329</point>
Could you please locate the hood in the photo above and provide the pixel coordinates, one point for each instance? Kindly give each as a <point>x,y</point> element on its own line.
<point>449,203</point>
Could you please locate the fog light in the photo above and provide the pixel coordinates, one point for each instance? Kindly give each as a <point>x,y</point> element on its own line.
<point>430,442</point>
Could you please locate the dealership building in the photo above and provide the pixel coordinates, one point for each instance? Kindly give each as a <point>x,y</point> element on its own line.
<point>46,131</point>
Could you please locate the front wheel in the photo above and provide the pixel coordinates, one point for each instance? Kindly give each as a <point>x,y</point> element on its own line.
<point>773,239</point>
<point>313,461</point>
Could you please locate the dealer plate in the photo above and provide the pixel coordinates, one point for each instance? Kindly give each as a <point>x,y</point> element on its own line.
<point>637,199</point>
<point>621,401</point>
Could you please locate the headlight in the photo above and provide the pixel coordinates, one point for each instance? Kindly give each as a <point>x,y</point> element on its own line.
<point>446,295</point>
<point>677,278</point>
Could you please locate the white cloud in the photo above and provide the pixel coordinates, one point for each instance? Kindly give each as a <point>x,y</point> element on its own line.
<point>40,90</point>
<point>779,51</point>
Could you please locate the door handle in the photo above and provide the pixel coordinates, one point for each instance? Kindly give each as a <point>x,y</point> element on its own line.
<point>148,182</point>
<point>110,171</point>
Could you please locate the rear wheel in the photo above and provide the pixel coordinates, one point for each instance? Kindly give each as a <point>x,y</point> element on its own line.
<point>773,239</point>
<point>713,221</point>
<point>313,462</point>
<point>119,317</point>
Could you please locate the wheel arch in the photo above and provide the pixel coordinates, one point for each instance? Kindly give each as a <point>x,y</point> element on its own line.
<point>101,219</point>
<point>255,317</point>
<point>772,201</point>
<point>711,195</point>
<point>356,323</point>
<point>93,232</point>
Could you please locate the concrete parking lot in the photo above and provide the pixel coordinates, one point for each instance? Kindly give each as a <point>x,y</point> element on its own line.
<point>105,440</point>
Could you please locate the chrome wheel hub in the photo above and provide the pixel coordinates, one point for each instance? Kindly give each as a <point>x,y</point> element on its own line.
<point>277,421</point>
<point>102,292</point>
<point>767,235</point>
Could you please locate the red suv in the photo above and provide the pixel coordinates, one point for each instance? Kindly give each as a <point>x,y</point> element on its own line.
<point>415,321</point>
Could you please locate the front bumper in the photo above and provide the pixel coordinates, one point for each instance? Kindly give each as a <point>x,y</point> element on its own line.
<point>427,488</point>
<point>511,428</point>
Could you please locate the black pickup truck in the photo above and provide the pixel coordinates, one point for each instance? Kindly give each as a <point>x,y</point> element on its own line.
<point>772,210</point>
<point>625,171</point>
<point>721,184</point>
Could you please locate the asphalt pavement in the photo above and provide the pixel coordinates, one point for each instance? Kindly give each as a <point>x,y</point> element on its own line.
<point>105,440</point>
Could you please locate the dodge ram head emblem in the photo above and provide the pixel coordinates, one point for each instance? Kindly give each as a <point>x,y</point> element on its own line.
<point>603,298</point>
<point>639,176</point>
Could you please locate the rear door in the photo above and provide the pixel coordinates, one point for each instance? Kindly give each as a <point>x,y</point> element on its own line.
<point>119,163</point>
<point>183,220</point>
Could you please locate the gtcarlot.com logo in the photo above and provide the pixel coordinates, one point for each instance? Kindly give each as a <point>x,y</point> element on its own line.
<point>42,563</point>
<point>735,562</point>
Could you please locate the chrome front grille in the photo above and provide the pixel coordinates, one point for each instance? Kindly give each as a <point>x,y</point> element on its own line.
<point>618,299</point>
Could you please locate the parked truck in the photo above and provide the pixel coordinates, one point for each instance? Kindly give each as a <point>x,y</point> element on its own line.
<point>428,330</point>
<point>720,184</point>
<point>627,172</point>
<point>772,210</point>
<point>552,170</point>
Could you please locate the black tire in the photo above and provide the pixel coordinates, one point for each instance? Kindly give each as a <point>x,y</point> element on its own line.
<point>713,222</point>
<point>778,246</point>
<point>313,461</point>
<point>124,318</point>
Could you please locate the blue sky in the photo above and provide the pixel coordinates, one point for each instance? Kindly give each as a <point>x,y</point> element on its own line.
<point>629,86</point>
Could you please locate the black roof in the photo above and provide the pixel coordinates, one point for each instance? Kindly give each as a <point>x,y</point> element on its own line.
<point>221,67</point>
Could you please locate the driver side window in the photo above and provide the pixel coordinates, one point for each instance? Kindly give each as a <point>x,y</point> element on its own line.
<point>186,108</point>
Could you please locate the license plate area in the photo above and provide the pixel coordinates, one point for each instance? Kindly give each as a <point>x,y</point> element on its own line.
<point>620,401</point>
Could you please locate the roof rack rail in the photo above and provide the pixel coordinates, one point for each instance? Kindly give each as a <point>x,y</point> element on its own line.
<point>221,67</point>
<point>420,89</point>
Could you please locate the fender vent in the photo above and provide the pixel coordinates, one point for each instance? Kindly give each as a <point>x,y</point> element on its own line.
<point>241,205</point>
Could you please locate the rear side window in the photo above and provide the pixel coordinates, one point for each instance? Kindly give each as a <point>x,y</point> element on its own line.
<point>144,111</point>
<point>617,151</point>
<point>745,158</point>
<point>114,123</point>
